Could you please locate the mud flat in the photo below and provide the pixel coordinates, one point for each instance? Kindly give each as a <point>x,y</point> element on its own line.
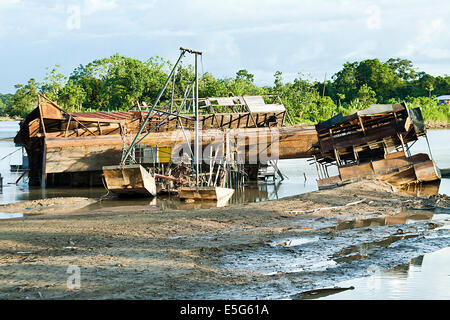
<point>49,205</point>
<point>437,125</point>
<point>267,250</point>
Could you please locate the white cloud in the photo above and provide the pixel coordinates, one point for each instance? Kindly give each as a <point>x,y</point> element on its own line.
<point>362,50</point>
<point>7,3</point>
<point>428,40</point>
<point>92,6</point>
<point>148,4</point>
<point>222,43</point>
<point>261,36</point>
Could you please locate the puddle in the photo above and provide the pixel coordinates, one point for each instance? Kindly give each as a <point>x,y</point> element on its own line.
<point>426,277</point>
<point>404,217</point>
<point>5,216</point>
<point>322,265</point>
<point>365,250</point>
<point>325,259</point>
<point>293,242</point>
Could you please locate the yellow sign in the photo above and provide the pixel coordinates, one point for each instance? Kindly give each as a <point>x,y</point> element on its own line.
<point>164,154</point>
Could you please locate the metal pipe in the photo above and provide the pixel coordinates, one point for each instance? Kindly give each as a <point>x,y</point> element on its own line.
<point>196,141</point>
<point>429,148</point>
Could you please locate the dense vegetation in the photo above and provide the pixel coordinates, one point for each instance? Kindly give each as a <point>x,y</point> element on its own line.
<point>117,82</point>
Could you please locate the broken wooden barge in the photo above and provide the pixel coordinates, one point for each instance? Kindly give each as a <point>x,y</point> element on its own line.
<point>374,142</point>
<point>70,148</point>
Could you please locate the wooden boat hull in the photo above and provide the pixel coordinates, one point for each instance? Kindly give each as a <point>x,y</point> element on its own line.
<point>129,181</point>
<point>396,169</point>
<point>218,194</point>
<point>427,171</point>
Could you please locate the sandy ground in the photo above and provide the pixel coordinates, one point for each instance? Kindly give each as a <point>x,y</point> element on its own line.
<point>142,252</point>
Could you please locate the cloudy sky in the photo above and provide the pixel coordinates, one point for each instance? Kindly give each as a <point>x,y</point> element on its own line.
<point>312,37</point>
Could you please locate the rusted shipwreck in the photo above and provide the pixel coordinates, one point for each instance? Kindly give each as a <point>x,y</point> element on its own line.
<point>374,142</point>
<point>70,148</point>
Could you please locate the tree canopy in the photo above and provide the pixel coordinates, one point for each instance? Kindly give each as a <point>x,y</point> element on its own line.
<point>118,82</point>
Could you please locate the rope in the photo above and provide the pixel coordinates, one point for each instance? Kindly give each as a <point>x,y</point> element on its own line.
<point>104,196</point>
<point>9,154</point>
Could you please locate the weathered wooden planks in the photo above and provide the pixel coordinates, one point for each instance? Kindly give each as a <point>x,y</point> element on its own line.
<point>93,152</point>
<point>129,180</point>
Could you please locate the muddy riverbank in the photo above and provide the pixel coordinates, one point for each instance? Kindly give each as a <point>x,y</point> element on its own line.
<point>431,125</point>
<point>266,250</point>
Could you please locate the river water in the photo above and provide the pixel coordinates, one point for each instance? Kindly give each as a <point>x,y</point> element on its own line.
<point>301,177</point>
<point>425,277</point>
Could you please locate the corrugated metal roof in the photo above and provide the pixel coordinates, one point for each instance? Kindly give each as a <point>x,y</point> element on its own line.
<point>374,109</point>
<point>114,115</point>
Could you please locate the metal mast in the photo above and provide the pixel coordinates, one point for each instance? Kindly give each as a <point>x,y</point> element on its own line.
<point>196,124</point>
<point>196,142</point>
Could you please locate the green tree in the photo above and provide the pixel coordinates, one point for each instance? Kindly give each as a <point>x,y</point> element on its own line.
<point>212,87</point>
<point>378,76</point>
<point>345,81</point>
<point>53,83</point>
<point>278,82</point>
<point>341,97</point>
<point>72,96</point>
<point>24,100</point>
<point>5,103</point>
<point>304,103</point>
<point>442,85</point>
<point>426,82</point>
<point>365,97</point>
<point>126,82</point>
<point>117,82</point>
<point>403,68</point>
<point>245,75</point>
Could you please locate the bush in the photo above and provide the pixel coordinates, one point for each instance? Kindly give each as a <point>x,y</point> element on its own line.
<point>430,108</point>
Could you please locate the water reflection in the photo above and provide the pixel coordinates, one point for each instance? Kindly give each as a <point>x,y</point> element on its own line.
<point>403,217</point>
<point>295,170</point>
<point>5,216</point>
<point>421,189</point>
<point>425,277</point>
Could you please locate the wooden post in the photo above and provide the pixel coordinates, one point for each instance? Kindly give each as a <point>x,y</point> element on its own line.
<point>361,124</point>
<point>338,159</point>
<point>43,174</point>
<point>355,153</point>
<point>68,124</point>
<point>403,144</point>
<point>40,116</point>
<point>317,167</point>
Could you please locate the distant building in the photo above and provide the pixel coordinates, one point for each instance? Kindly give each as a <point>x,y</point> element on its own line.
<point>443,99</point>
